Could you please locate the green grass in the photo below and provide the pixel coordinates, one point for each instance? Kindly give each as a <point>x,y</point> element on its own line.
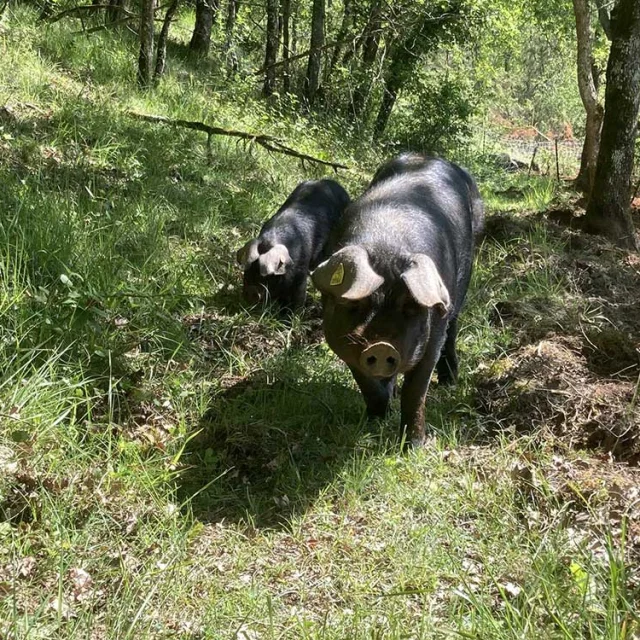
<point>209,471</point>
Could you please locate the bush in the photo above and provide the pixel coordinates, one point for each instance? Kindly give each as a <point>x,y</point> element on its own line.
<point>434,115</point>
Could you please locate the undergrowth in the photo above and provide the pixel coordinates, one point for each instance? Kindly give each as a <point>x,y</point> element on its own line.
<point>173,465</point>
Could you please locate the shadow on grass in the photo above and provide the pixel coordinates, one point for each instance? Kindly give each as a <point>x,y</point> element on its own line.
<point>268,448</point>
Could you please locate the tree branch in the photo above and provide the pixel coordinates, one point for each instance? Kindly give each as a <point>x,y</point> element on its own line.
<point>266,141</point>
<point>304,54</point>
<point>81,9</point>
<point>104,27</point>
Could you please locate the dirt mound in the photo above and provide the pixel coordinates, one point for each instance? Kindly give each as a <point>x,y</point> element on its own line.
<point>575,364</point>
<point>550,385</point>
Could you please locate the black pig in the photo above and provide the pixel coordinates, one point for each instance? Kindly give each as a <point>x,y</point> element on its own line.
<point>397,278</point>
<point>277,263</point>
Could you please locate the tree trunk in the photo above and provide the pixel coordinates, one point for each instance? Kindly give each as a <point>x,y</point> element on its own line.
<point>229,28</point>
<point>603,17</point>
<point>342,35</point>
<point>402,64</point>
<point>161,54</point>
<point>587,85</point>
<point>312,80</point>
<point>271,50</point>
<point>286,46</point>
<point>370,44</point>
<point>145,59</point>
<point>588,159</point>
<point>609,211</point>
<point>206,11</point>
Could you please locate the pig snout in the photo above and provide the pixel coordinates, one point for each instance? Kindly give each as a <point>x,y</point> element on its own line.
<point>253,294</point>
<point>380,360</point>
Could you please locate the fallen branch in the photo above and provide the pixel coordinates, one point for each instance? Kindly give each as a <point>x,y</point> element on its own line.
<point>267,142</point>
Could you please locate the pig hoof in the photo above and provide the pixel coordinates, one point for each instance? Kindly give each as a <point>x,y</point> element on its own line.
<point>415,442</point>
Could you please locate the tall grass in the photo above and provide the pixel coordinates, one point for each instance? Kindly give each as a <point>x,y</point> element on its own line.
<point>172,465</point>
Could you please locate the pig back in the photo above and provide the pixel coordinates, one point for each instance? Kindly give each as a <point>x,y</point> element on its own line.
<point>305,220</point>
<point>434,209</point>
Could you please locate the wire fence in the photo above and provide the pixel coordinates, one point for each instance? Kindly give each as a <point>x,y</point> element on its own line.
<point>546,156</point>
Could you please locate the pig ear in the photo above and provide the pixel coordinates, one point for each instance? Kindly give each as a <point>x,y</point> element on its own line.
<point>248,254</point>
<point>425,284</point>
<point>275,261</point>
<point>347,274</point>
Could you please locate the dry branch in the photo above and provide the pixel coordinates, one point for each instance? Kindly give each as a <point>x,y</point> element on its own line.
<point>266,141</point>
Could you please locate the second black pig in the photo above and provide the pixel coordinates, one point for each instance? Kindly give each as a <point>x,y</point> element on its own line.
<point>277,263</point>
<point>397,279</point>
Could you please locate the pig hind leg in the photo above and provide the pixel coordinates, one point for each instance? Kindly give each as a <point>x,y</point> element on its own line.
<point>447,366</point>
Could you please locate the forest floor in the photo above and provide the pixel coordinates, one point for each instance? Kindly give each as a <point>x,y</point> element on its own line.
<point>173,465</point>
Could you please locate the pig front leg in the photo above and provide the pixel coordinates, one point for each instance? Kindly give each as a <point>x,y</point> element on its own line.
<point>376,393</point>
<point>296,294</point>
<point>414,390</point>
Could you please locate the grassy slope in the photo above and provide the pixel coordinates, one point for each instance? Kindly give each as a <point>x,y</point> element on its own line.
<point>172,466</point>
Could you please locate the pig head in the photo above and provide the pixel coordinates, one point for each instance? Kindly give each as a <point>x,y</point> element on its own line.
<point>262,270</point>
<point>378,322</point>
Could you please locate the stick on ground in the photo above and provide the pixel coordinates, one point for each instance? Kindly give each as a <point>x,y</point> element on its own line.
<point>266,141</point>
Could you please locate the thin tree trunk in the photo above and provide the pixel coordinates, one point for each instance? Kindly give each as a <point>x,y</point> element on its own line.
<point>312,81</point>
<point>145,59</point>
<point>589,157</point>
<point>603,16</point>
<point>370,45</point>
<point>206,11</point>
<point>294,31</point>
<point>402,64</point>
<point>352,51</point>
<point>589,95</point>
<point>342,34</point>
<point>286,45</point>
<point>161,54</point>
<point>229,28</point>
<point>609,210</point>
<point>271,50</point>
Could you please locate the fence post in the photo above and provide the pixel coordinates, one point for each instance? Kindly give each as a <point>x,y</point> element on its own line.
<point>533,157</point>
